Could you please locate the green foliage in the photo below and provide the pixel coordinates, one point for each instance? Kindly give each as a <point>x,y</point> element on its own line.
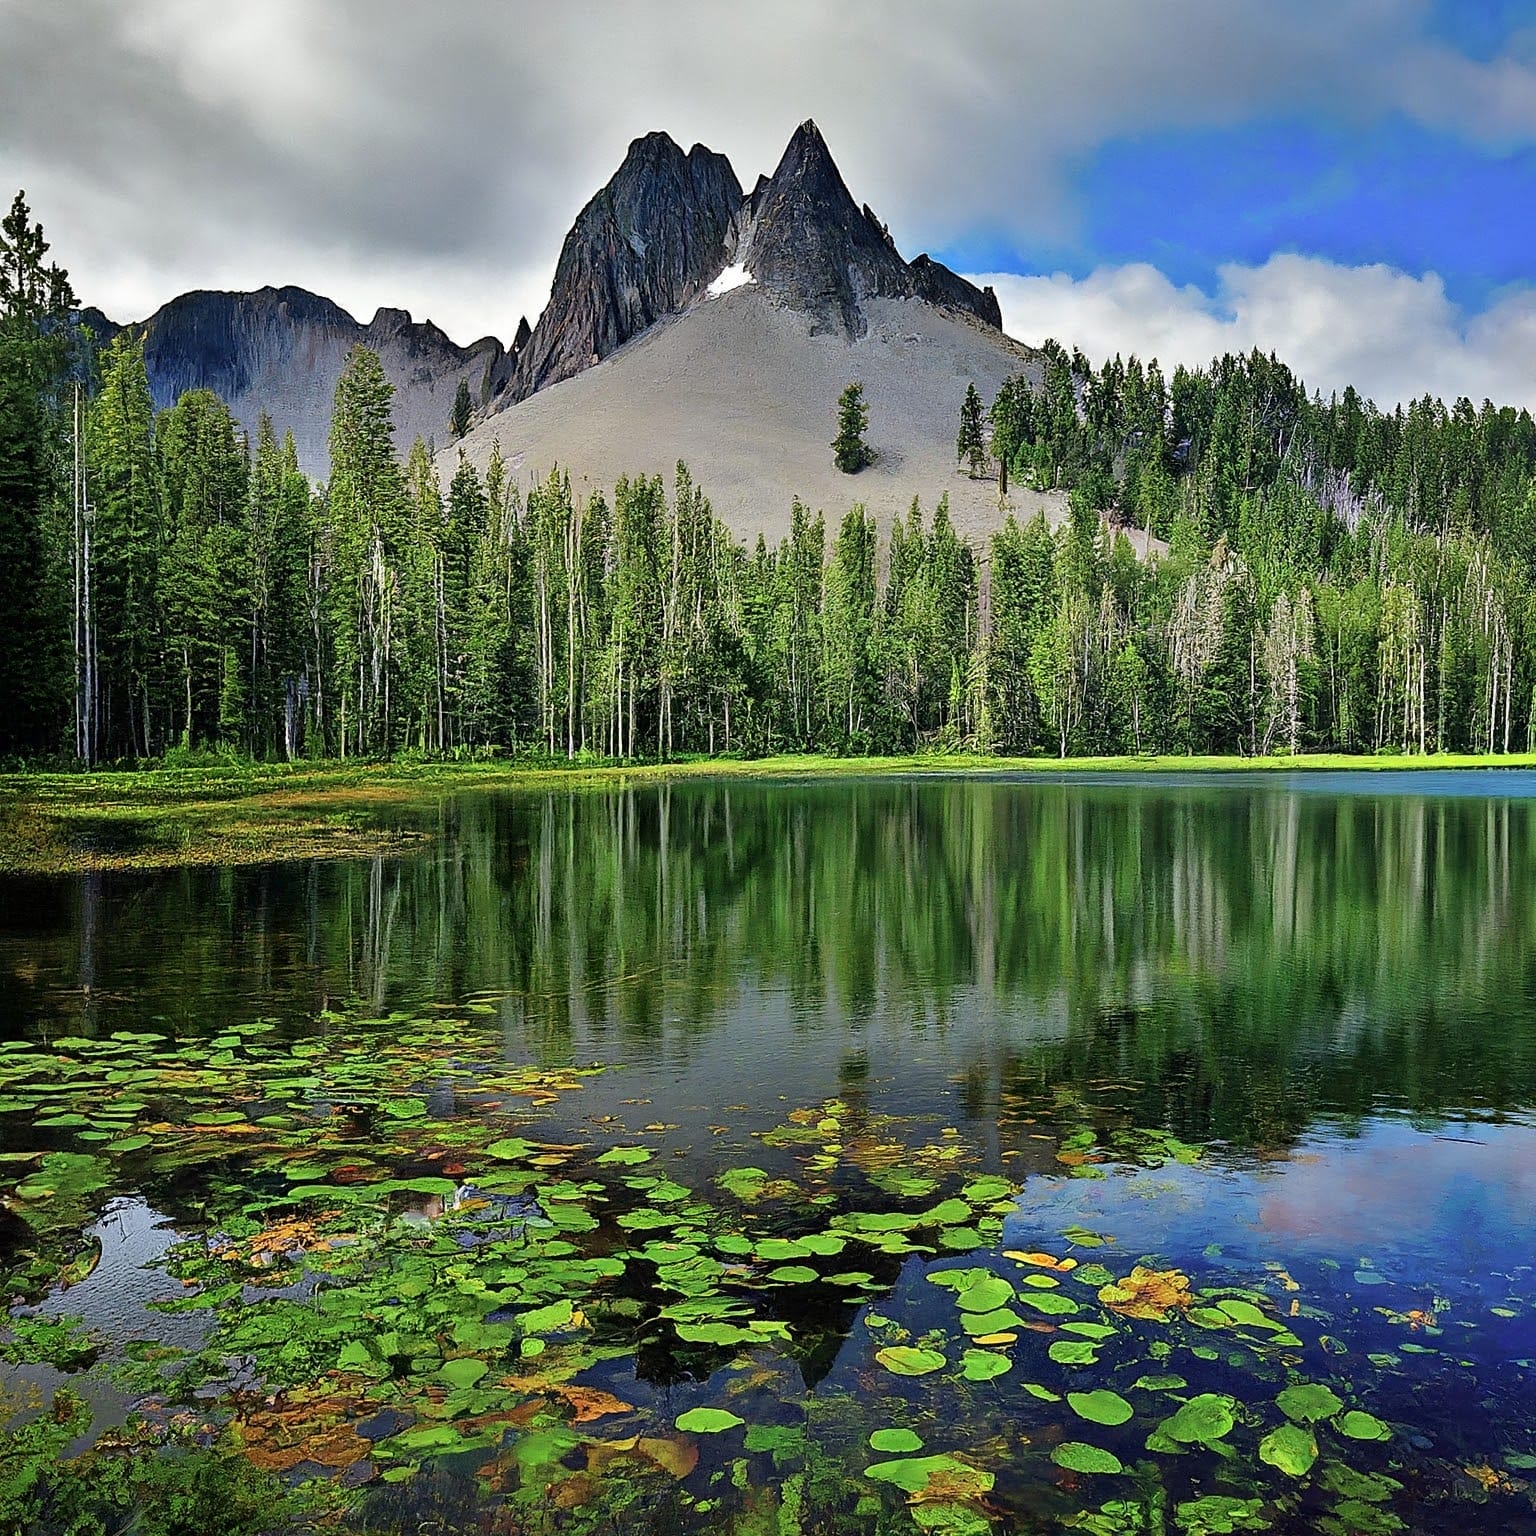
<point>463,410</point>
<point>970,445</point>
<point>849,450</point>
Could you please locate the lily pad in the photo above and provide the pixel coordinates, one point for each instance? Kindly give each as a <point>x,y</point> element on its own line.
<point>1363,1426</point>
<point>707,1421</point>
<point>1308,1402</point>
<point>1290,1448</point>
<point>908,1360</point>
<point>1075,1456</point>
<point>895,1442</point>
<point>1203,1420</point>
<point>1100,1407</point>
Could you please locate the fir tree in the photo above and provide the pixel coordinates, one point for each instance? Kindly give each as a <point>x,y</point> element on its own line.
<point>35,304</point>
<point>970,446</point>
<point>463,410</point>
<point>849,450</point>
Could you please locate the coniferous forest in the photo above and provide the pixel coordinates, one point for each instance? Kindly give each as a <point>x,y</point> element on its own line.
<point>1246,568</point>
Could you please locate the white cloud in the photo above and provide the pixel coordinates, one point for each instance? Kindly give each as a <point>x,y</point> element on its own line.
<point>1392,335</point>
<point>342,143</point>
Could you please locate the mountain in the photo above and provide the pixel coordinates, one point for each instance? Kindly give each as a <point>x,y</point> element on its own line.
<point>650,242</point>
<point>281,350</point>
<point>687,319</point>
<point>669,225</point>
<point>690,322</point>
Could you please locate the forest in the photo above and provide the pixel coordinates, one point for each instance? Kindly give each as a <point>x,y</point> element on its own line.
<point>1245,568</point>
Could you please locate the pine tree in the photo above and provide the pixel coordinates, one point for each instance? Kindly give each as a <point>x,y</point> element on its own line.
<point>849,450</point>
<point>205,573</point>
<point>463,410</point>
<point>35,304</point>
<point>970,446</point>
<point>124,486</point>
<point>366,513</point>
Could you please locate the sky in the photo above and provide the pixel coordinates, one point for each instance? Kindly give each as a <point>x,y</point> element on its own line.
<point>1348,183</point>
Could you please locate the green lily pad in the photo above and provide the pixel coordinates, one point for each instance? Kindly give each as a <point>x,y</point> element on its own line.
<point>1290,1448</point>
<point>1077,1457</point>
<point>1308,1402</point>
<point>984,1365</point>
<point>1201,1421</point>
<point>895,1442</point>
<point>1362,1426</point>
<point>913,1475</point>
<point>464,1372</point>
<point>707,1421</point>
<point>907,1360</point>
<point>1100,1407</point>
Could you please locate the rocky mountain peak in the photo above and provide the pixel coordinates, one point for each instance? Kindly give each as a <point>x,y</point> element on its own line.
<point>813,247</point>
<point>647,245</point>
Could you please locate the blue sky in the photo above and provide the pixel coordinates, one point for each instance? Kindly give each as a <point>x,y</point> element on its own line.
<point>1392,191</point>
<point>1350,183</point>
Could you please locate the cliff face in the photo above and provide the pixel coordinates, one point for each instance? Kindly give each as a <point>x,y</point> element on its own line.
<point>647,245</point>
<point>281,350</point>
<point>810,245</point>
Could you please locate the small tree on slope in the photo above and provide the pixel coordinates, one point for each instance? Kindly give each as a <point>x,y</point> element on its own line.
<point>849,450</point>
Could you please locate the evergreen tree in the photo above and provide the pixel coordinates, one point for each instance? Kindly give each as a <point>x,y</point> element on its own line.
<point>849,450</point>
<point>205,565</point>
<point>366,517</point>
<point>122,478</point>
<point>35,304</point>
<point>970,446</point>
<point>463,410</point>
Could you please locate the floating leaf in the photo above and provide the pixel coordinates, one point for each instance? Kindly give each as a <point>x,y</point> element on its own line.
<point>1100,1407</point>
<point>707,1421</point>
<point>464,1372</point>
<point>1074,1352</point>
<point>986,1295</point>
<point>1362,1426</point>
<point>907,1360</point>
<point>625,1157</point>
<point>1148,1293</point>
<point>895,1442</point>
<point>1308,1401</point>
<point>983,1365</point>
<point>1201,1421</point>
<point>1077,1457</point>
<point>933,1477</point>
<point>1290,1448</point>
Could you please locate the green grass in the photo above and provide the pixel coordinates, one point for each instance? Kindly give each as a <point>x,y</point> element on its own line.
<point>248,813</point>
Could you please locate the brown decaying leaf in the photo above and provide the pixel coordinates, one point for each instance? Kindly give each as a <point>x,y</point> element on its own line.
<point>1148,1293</point>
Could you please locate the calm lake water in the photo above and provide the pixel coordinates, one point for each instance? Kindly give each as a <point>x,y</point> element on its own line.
<point>1275,1033</point>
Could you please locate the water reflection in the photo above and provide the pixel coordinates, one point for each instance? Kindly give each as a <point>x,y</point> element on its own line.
<point>1238,956</point>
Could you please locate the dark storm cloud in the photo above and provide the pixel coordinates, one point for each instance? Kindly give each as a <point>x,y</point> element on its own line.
<point>391,151</point>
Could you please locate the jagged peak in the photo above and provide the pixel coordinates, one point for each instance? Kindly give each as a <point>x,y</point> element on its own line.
<point>388,321</point>
<point>807,160</point>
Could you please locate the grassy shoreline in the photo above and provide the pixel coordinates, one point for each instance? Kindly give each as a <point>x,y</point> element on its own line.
<point>54,823</point>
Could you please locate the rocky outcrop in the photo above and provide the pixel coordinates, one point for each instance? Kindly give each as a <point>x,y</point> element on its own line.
<point>646,246</point>
<point>936,284</point>
<point>811,246</point>
<point>281,350</point>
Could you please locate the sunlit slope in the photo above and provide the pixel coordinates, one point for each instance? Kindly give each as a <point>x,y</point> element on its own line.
<point>741,389</point>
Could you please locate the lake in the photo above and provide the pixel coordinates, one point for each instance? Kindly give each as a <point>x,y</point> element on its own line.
<point>924,1152</point>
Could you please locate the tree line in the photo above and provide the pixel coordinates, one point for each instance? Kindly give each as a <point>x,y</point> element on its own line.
<point>1242,567</point>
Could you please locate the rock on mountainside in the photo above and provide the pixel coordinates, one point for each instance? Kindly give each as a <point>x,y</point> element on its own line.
<point>281,350</point>
<point>649,243</point>
<point>662,232</point>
